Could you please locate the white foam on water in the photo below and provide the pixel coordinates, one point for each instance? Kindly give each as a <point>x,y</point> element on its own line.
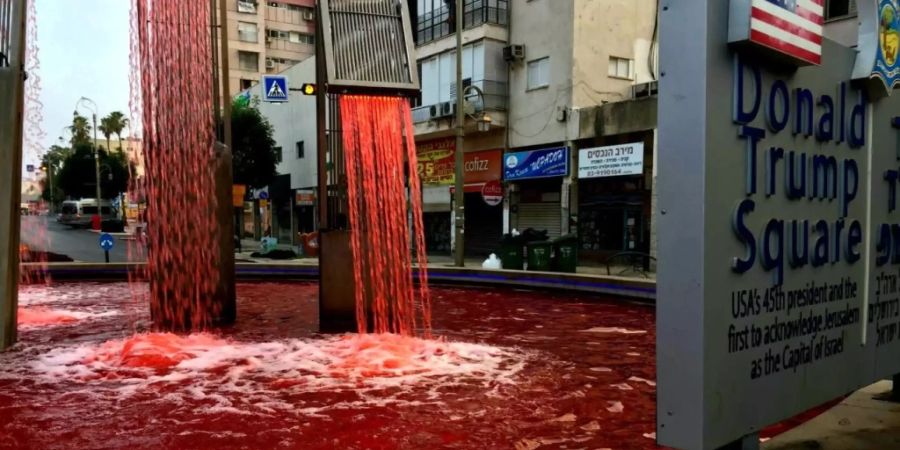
<point>613,330</point>
<point>615,407</point>
<point>224,375</point>
<point>642,380</point>
<point>41,316</point>
<point>622,387</point>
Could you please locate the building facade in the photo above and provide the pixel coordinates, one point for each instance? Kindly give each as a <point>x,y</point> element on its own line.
<point>559,79</point>
<point>267,37</point>
<point>290,206</point>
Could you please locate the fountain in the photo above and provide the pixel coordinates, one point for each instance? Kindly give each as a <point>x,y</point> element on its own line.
<point>365,71</point>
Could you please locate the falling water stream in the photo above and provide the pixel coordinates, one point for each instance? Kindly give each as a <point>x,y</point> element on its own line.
<point>377,160</point>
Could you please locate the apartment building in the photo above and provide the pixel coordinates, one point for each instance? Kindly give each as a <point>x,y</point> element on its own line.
<point>554,77</point>
<point>267,37</point>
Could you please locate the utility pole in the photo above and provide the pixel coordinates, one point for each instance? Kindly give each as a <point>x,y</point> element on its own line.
<point>459,197</point>
<point>97,163</point>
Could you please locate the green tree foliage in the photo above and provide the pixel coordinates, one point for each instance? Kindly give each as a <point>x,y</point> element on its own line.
<point>51,163</point>
<point>81,130</point>
<point>76,178</point>
<point>114,123</point>
<point>253,147</point>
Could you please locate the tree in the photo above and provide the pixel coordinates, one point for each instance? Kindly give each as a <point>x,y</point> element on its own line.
<point>81,130</point>
<point>51,163</point>
<point>113,124</point>
<point>253,148</point>
<point>105,128</point>
<point>76,178</point>
<point>117,123</point>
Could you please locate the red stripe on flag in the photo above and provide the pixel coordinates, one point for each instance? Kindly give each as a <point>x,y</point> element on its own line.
<point>818,2</point>
<point>810,16</point>
<point>785,47</point>
<point>789,27</point>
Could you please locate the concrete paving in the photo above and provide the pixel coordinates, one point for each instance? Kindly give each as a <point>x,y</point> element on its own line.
<point>861,422</point>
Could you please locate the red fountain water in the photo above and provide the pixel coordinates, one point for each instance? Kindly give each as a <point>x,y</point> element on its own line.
<point>174,48</point>
<point>36,272</point>
<point>374,154</point>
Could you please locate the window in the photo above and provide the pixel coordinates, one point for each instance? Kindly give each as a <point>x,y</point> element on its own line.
<point>301,152</point>
<point>246,84</point>
<point>620,67</point>
<point>246,6</point>
<point>279,155</point>
<point>248,61</point>
<point>838,9</point>
<point>302,38</point>
<point>248,32</point>
<point>539,73</point>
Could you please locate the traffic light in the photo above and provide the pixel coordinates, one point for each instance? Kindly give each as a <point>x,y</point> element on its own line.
<point>308,89</point>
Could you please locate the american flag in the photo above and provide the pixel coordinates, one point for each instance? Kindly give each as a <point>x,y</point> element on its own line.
<point>792,27</point>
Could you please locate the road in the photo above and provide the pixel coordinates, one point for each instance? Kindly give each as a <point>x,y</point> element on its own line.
<point>41,233</point>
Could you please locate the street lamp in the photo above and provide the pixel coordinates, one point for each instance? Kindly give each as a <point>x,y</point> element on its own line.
<point>92,107</point>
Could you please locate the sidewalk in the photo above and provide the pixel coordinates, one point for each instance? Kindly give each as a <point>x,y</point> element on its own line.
<point>251,246</point>
<point>860,422</point>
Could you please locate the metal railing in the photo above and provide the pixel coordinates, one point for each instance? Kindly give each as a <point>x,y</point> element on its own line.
<point>438,23</point>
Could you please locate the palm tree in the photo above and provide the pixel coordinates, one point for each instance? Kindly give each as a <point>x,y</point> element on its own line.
<point>81,130</point>
<point>116,122</point>
<point>106,128</point>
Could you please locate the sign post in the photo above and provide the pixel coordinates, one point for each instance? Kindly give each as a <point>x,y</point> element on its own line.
<point>778,229</point>
<point>275,88</point>
<point>107,243</point>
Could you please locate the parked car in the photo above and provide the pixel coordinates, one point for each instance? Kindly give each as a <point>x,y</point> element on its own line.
<point>78,213</point>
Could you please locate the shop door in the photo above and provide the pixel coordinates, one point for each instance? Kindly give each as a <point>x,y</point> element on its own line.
<point>484,226</point>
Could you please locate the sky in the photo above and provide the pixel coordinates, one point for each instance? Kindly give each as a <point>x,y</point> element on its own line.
<point>83,51</point>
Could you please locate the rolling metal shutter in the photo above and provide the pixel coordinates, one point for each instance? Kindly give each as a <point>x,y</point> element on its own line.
<point>541,216</point>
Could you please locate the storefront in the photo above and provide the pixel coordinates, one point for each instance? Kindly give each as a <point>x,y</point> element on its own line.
<point>614,196</point>
<point>484,222</point>
<point>536,179</point>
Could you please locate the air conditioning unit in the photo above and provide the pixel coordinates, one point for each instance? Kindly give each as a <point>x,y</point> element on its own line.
<point>513,53</point>
<point>434,112</point>
<point>270,64</point>
<point>641,90</point>
<point>308,15</point>
<point>268,39</point>
<point>448,109</point>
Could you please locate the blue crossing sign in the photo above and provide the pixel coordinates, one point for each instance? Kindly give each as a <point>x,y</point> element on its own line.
<point>275,88</point>
<point>107,242</point>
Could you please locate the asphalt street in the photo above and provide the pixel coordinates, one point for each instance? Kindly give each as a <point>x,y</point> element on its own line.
<point>41,233</point>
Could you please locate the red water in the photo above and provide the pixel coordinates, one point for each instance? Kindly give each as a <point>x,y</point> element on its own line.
<point>172,63</point>
<point>33,150</point>
<point>512,369</point>
<point>377,159</point>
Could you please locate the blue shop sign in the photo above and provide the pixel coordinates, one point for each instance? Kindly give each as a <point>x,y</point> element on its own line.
<point>544,163</point>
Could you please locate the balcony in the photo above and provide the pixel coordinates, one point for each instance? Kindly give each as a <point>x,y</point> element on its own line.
<point>494,100</point>
<point>437,24</point>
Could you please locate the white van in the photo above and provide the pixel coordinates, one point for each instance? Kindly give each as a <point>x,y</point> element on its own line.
<point>78,213</point>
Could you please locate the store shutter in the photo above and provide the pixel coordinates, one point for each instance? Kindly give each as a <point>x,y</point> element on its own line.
<point>541,216</point>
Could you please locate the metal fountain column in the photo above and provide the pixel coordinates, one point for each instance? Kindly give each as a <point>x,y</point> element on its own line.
<point>12,87</point>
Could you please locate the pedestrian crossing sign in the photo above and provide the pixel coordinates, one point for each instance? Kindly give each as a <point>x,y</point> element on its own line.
<point>275,88</point>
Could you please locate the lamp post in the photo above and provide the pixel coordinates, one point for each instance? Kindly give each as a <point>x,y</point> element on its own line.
<point>92,107</point>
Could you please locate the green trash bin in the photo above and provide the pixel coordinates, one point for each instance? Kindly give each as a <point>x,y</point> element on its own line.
<point>565,253</point>
<point>511,252</point>
<point>539,255</point>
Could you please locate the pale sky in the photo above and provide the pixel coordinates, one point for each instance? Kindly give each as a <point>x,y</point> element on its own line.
<point>83,51</point>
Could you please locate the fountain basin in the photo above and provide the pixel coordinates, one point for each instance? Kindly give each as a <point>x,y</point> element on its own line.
<point>510,368</point>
